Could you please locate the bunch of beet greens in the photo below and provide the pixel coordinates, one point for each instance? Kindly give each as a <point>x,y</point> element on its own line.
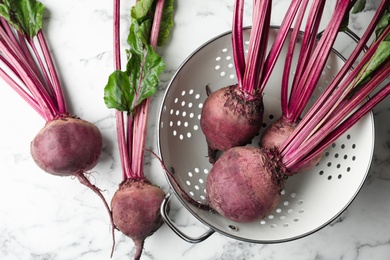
<point>66,145</point>
<point>135,205</point>
<point>244,184</point>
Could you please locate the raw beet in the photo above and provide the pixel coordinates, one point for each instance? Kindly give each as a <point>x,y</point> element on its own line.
<point>67,145</point>
<point>135,210</point>
<point>244,184</point>
<point>229,119</point>
<point>276,134</point>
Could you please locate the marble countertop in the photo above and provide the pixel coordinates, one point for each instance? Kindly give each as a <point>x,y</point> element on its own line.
<point>43,217</point>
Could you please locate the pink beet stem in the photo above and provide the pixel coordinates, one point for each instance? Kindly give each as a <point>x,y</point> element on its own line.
<point>237,40</point>
<point>334,104</point>
<point>325,101</point>
<point>132,146</point>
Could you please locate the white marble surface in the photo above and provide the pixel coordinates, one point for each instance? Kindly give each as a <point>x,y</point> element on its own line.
<point>44,217</point>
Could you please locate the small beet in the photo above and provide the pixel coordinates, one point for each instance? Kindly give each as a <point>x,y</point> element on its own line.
<point>135,210</point>
<point>276,134</point>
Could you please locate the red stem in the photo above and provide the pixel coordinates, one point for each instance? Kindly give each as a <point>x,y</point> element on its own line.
<point>257,46</point>
<point>141,113</point>
<point>313,71</point>
<point>289,57</point>
<point>59,95</point>
<point>281,37</point>
<point>27,74</point>
<point>20,91</point>
<point>345,125</point>
<point>123,140</point>
<point>332,107</point>
<point>328,98</point>
<point>328,133</point>
<point>237,40</point>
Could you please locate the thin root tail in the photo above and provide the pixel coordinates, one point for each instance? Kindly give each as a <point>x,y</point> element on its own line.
<point>84,180</point>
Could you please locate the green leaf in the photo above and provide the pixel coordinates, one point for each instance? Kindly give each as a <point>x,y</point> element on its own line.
<point>141,9</point>
<point>118,93</point>
<point>381,55</point>
<point>358,6</point>
<point>125,90</point>
<point>382,25</point>
<point>24,15</point>
<point>166,22</point>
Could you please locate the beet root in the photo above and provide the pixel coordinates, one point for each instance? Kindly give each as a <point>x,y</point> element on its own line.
<point>244,184</point>
<point>135,209</point>
<point>276,134</point>
<point>230,118</point>
<point>67,145</point>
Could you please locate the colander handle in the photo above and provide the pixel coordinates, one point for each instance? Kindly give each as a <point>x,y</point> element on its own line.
<point>164,214</point>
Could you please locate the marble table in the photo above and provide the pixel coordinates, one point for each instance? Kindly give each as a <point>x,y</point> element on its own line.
<point>44,217</point>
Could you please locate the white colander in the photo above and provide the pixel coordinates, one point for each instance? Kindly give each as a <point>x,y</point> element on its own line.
<point>310,200</point>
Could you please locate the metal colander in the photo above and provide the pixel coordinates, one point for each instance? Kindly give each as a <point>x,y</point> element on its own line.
<point>309,201</point>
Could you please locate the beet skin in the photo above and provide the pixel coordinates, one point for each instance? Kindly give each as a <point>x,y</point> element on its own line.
<point>244,184</point>
<point>230,118</point>
<point>66,146</point>
<point>135,209</point>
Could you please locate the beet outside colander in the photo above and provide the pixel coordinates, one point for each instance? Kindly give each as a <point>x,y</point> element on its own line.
<point>309,201</point>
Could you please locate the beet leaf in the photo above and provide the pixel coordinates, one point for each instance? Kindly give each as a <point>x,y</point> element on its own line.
<point>24,15</point>
<point>127,89</point>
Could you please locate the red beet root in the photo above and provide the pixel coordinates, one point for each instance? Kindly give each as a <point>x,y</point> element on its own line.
<point>276,133</point>
<point>66,146</point>
<point>244,184</point>
<point>136,210</point>
<point>230,118</point>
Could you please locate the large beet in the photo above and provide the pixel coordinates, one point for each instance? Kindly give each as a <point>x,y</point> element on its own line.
<point>244,184</point>
<point>67,145</point>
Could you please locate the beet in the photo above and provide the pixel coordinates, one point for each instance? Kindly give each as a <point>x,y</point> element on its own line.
<point>276,133</point>
<point>244,184</point>
<point>67,145</point>
<point>230,118</point>
<point>135,210</point>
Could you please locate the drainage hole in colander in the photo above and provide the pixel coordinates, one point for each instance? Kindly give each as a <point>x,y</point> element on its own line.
<point>234,228</point>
